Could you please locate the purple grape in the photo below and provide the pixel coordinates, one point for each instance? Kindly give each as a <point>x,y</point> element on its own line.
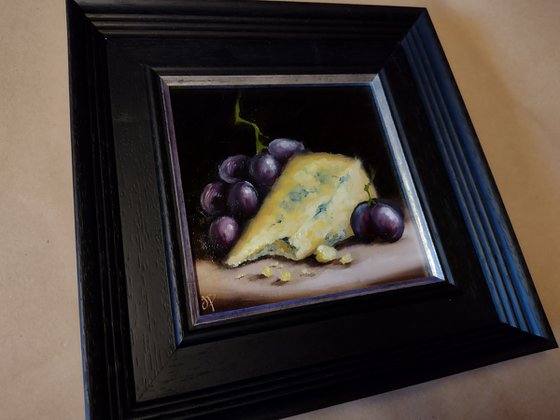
<point>213,198</point>
<point>264,169</point>
<point>223,233</point>
<point>361,224</point>
<point>387,221</point>
<point>284,149</point>
<point>242,199</point>
<point>234,169</point>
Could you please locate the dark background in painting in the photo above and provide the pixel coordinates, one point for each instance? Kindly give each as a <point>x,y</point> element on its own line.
<point>335,119</point>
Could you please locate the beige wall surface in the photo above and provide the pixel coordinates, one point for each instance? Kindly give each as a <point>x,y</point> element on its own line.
<point>505,58</point>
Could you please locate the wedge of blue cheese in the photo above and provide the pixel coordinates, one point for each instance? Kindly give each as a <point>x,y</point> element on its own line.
<point>309,205</point>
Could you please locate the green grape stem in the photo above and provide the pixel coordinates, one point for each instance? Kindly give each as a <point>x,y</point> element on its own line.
<point>259,145</point>
<point>371,200</point>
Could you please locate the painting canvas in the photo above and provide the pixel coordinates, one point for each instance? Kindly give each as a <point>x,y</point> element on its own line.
<point>291,191</point>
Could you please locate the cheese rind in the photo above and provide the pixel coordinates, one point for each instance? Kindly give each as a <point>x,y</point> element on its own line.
<point>309,205</point>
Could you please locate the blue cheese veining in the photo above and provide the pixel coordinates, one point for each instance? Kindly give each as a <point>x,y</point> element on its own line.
<point>309,205</point>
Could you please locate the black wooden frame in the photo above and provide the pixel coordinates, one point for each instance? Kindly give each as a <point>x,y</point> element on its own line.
<point>141,357</point>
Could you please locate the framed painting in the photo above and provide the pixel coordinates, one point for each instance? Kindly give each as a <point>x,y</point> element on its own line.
<point>280,207</point>
<point>307,221</point>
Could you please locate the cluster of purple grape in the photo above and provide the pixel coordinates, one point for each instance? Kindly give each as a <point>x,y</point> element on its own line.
<point>244,182</point>
<point>377,218</point>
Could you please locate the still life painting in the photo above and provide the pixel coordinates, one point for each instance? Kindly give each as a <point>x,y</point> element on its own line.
<point>291,194</point>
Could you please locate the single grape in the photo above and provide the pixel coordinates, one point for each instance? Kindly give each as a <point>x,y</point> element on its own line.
<point>234,169</point>
<point>243,199</point>
<point>284,149</point>
<point>264,169</point>
<point>361,224</point>
<point>387,221</point>
<point>213,198</point>
<point>223,233</point>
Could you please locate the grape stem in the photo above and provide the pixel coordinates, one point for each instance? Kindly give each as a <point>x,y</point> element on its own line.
<point>371,200</point>
<point>259,145</point>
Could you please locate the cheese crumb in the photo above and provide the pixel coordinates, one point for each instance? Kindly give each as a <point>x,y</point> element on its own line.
<point>285,276</point>
<point>267,271</point>
<point>240,276</point>
<point>346,259</point>
<point>306,272</point>
<point>325,253</point>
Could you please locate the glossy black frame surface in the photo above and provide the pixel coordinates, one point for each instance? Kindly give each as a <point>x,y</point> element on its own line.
<point>142,359</point>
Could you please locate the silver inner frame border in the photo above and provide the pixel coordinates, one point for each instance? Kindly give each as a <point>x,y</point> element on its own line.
<point>407,183</point>
<point>434,267</point>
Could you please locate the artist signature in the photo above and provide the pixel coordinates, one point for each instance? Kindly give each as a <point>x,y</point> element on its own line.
<point>207,302</point>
